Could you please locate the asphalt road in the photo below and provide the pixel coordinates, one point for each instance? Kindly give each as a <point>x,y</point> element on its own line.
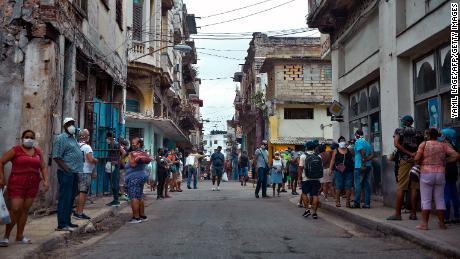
<point>233,224</point>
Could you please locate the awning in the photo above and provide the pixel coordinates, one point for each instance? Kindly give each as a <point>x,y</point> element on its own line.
<point>166,126</point>
<point>296,141</point>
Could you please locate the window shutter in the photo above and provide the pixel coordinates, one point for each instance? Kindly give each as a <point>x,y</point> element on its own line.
<point>119,13</point>
<point>137,20</point>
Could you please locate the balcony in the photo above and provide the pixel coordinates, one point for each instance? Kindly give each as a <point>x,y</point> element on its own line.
<point>327,15</point>
<point>139,52</point>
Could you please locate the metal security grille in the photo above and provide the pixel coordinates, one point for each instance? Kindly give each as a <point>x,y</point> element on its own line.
<point>134,132</point>
<point>137,19</point>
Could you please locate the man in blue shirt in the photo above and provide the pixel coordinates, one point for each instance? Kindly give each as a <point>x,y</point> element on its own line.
<point>217,162</point>
<point>363,166</point>
<point>69,158</point>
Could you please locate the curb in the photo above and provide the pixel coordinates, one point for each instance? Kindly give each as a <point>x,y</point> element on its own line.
<point>395,230</point>
<point>53,242</point>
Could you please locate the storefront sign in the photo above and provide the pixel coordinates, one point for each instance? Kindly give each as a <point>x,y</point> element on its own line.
<point>336,108</point>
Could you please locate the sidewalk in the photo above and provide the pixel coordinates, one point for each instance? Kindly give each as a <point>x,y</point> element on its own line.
<point>42,230</point>
<point>441,241</point>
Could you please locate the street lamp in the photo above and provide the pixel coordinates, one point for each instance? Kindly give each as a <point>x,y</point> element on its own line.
<point>179,47</point>
<point>322,126</point>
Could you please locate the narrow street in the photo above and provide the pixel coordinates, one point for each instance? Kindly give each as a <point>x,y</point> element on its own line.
<point>233,224</point>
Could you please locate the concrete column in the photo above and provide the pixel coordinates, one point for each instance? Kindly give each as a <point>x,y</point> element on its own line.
<point>68,102</point>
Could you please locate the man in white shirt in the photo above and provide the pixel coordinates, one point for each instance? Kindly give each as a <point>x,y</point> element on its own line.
<point>192,163</point>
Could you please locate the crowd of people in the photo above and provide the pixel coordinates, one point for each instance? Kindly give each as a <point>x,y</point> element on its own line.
<point>425,166</point>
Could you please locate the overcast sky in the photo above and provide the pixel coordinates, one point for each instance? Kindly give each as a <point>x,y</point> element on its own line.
<point>218,95</point>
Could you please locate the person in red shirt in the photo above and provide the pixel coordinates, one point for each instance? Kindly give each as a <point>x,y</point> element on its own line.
<point>23,184</point>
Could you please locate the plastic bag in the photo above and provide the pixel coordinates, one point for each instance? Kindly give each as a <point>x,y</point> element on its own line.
<point>4,214</point>
<point>225,177</point>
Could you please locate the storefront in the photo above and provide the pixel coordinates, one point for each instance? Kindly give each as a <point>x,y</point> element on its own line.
<point>364,110</point>
<point>432,90</point>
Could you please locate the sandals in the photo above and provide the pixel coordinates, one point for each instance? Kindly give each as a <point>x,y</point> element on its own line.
<point>422,227</point>
<point>338,205</point>
<point>4,242</point>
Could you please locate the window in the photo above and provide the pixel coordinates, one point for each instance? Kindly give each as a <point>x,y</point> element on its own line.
<point>362,106</point>
<point>134,132</point>
<point>425,79</point>
<point>298,113</point>
<point>119,13</point>
<point>312,72</point>
<point>132,105</point>
<point>432,90</point>
<point>137,19</point>
<point>374,96</point>
<point>215,142</point>
<point>327,70</point>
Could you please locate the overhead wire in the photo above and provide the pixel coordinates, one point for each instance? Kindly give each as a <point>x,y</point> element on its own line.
<point>237,9</point>
<point>249,15</point>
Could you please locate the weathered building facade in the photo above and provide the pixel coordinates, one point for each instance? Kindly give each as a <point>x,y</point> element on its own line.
<point>298,93</point>
<point>389,59</point>
<point>61,59</point>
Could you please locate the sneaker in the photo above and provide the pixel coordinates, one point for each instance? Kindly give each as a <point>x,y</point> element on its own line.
<point>81,216</point>
<point>306,214</point>
<point>366,206</point>
<point>309,206</point>
<point>144,218</point>
<point>124,197</point>
<point>394,217</point>
<point>315,216</point>
<point>113,204</point>
<point>213,189</point>
<point>188,187</point>
<point>25,241</point>
<point>299,205</point>
<point>257,196</point>
<point>218,189</point>
<point>4,242</point>
<point>135,221</point>
<point>73,225</point>
<point>66,228</point>
<point>283,190</point>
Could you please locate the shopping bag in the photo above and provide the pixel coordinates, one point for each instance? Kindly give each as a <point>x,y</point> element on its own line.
<point>225,177</point>
<point>4,214</point>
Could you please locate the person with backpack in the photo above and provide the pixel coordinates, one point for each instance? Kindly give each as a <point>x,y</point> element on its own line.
<point>217,162</point>
<point>84,178</point>
<point>261,156</point>
<point>310,172</point>
<point>276,173</point>
<point>292,167</point>
<point>363,166</point>
<point>406,141</point>
<point>244,168</point>
<point>342,167</point>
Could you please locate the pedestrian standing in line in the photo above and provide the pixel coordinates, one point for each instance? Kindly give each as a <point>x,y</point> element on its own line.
<point>277,173</point>
<point>261,156</point>
<point>244,168</point>
<point>124,159</point>
<point>310,171</point>
<point>112,167</point>
<point>180,172</point>
<point>326,181</point>
<point>193,164</point>
<point>69,158</point>
<point>217,163</point>
<point>449,136</point>
<point>84,178</point>
<point>174,169</point>
<point>235,168</point>
<point>135,178</point>
<point>23,184</point>
<point>285,157</point>
<point>253,171</point>
<point>406,141</point>
<point>162,163</point>
<point>432,156</point>
<point>292,167</point>
<point>363,166</point>
<point>342,167</point>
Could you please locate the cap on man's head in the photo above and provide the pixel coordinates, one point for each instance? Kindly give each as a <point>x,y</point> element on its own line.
<point>67,120</point>
<point>408,119</point>
<point>264,142</point>
<point>310,145</point>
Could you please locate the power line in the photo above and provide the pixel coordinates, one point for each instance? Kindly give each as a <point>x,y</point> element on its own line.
<point>226,50</point>
<point>249,15</point>
<point>217,78</point>
<point>230,11</point>
<point>214,55</point>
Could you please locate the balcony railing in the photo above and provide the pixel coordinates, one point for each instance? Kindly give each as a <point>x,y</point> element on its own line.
<point>139,47</point>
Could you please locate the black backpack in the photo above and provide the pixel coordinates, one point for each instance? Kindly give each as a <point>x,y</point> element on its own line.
<point>313,167</point>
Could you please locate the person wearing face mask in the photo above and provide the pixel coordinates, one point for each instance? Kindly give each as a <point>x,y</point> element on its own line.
<point>261,156</point>
<point>342,167</point>
<point>363,166</point>
<point>23,184</point>
<point>112,167</point>
<point>84,178</point>
<point>69,158</point>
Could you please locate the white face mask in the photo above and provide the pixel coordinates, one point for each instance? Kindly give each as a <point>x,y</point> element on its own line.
<point>28,142</point>
<point>342,144</point>
<point>71,129</point>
